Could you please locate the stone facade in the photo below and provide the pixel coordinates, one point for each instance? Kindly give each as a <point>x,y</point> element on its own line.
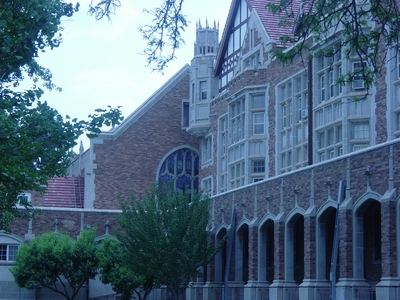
<point>271,155</point>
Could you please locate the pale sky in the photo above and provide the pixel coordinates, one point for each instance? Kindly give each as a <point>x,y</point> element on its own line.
<point>99,64</point>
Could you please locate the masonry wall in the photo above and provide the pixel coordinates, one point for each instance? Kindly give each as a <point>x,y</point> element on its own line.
<point>128,165</point>
<point>307,192</point>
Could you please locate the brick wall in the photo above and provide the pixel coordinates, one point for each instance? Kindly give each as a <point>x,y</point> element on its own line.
<point>312,194</point>
<point>128,164</point>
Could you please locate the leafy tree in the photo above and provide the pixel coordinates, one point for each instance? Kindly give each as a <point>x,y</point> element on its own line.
<point>164,238</point>
<point>114,269</point>
<point>363,29</point>
<point>35,141</point>
<point>163,35</point>
<point>54,261</point>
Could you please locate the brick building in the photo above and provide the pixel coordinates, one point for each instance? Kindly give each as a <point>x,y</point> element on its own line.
<point>270,145</point>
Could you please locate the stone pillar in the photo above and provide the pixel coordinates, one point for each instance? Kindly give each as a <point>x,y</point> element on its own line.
<point>388,287</point>
<point>277,286</point>
<point>307,287</point>
<point>344,287</point>
<point>250,288</point>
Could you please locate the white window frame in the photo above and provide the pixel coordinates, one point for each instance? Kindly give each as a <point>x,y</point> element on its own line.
<point>8,249</point>
<point>398,64</point>
<point>331,84</point>
<point>256,165</point>
<point>358,147</point>
<point>361,130</point>
<point>206,150</point>
<point>203,90</point>
<point>185,117</point>
<point>358,80</point>
<point>23,197</point>
<point>284,115</point>
<point>207,186</point>
<point>322,86</point>
<point>258,124</point>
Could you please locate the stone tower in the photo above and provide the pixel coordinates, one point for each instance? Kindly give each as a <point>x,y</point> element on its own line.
<point>203,84</point>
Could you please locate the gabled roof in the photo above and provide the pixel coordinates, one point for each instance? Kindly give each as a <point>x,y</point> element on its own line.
<point>269,21</point>
<point>145,106</point>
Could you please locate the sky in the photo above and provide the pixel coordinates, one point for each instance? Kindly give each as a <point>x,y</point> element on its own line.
<point>99,62</point>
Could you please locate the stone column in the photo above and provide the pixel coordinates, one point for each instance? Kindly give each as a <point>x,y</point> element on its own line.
<point>276,288</point>
<point>306,289</point>
<point>344,287</point>
<point>250,289</point>
<point>388,287</point>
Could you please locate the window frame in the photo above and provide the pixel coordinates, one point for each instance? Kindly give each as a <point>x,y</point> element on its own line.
<point>358,79</point>
<point>185,114</point>
<point>258,125</point>
<point>7,252</point>
<point>203,90</point>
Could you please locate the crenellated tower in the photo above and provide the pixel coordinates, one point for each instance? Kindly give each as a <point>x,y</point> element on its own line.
<point>203,84</point>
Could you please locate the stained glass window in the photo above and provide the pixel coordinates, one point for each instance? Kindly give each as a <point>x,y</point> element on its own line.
<point>180,170</point>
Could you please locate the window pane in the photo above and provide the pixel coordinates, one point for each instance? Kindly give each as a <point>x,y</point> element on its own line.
<point>12,252</point>
<point>361,131</point>
<point>258,166</point>
<point>258,123</point>
<point>258,102</point>
<point>203,90</point>
<point>3,252</point>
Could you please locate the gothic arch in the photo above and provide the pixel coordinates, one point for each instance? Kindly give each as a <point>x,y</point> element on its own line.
<point>266,242</point>
<point>294,246</point>
<point>180,166</point>
<point>367,237</point>
<point>326,218</point>
<point>220,257</point>
<point>366,196</point>
<point>242,252</point>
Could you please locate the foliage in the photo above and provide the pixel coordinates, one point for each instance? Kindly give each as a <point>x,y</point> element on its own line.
<point>165,237</point>
<point>113,266</point>
<point>104,8</point>
<point>54,261</point>
<point>164,33</point>
<point>35,141</point>
<point>28,27</point>
<point>362,29</point>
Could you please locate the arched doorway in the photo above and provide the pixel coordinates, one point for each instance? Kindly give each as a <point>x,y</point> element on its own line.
<point>266,240</point>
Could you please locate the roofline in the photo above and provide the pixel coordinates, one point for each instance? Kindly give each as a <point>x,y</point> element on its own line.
<point>225,35</point>
<point>144,107</point>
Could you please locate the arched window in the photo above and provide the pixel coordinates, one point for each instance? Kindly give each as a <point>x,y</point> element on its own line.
<point>180,170</point>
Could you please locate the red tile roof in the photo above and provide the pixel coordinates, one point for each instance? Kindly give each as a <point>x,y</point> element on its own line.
<point>271,21</point>
<point>268,19</point>
<point>65,192</point>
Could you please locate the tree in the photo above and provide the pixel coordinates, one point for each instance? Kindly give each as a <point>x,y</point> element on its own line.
<point>54,261</point>
<point>163,35</point>
<point>165,238</point>
<point>35,141</point>
<point>113,260</point>
<point>365,30</point>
